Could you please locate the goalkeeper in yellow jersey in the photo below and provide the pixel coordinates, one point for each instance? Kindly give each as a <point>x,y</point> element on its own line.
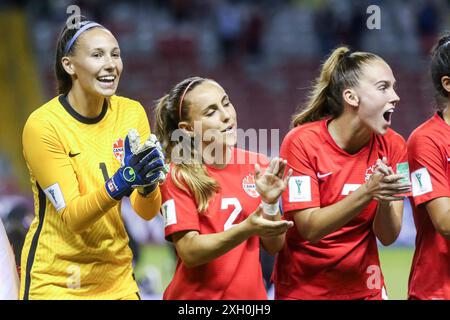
<point>84,154</point>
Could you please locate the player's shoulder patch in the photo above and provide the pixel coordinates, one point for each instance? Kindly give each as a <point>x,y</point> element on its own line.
<point>421,182</point>
<point>299,189</point>
<point>55,195</point>
<point>169,212</point>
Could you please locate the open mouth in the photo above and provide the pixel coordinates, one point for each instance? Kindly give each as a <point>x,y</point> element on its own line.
<point>229,128</point>
<point>387,115</point>
<point>106,79</point>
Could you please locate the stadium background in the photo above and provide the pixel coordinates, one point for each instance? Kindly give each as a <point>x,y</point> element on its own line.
<point>265,54</point>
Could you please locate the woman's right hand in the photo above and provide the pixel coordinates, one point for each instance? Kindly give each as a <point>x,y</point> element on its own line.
<point>271,184</point>
<point>258,225</point>
<point>384,185</point>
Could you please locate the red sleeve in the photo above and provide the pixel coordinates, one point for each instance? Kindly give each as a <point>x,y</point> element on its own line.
<point>399,152</point>
<point>303,189</point>
<point>178,209</point>
<point>428,169</point>
<point>398,155</point>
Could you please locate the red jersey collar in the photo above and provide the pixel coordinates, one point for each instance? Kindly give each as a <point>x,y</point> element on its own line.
<point>326,134</point>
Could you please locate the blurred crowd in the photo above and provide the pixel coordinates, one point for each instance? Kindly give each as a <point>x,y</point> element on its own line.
<point>267,29</point>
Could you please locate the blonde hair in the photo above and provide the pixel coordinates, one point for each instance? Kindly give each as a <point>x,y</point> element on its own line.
<point>342,69</point>
<point>187,174</point>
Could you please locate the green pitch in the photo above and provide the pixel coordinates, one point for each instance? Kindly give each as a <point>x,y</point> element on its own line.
<point>396,264</point>
<point>158,263</point>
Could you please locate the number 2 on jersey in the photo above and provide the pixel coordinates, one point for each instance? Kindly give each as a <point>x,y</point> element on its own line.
<point>226,202</point>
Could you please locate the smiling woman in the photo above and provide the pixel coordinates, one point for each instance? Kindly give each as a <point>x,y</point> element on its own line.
<point>217,210</point>
<point>93,72</point>
<point>77,246</point>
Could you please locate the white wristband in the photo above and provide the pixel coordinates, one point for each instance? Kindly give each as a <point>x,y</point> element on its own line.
<point>270,209</point>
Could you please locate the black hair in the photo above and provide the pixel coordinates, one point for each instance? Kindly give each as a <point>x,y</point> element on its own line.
<point>440,67</point>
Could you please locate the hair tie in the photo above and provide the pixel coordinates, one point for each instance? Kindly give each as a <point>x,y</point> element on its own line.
<point>347,54</point>
<point>87,26</point>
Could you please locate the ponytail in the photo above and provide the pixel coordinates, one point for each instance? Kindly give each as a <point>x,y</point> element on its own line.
<point>198,181</point>
<point>341,70</point>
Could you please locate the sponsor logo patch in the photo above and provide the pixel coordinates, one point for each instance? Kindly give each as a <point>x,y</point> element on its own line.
<point>323,175</point>
<point>129,174</point>
<point>73,154</point>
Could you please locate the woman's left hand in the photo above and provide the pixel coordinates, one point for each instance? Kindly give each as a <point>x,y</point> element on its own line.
<point>271,184</point>
<point>390,179</point>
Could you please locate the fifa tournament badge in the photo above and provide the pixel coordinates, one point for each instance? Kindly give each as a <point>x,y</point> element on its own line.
<point>403,169</point>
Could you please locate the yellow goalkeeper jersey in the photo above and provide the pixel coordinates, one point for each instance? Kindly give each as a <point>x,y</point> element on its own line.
<point>69,158</point>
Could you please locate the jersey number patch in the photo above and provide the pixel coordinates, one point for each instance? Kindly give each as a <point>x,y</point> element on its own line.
<point>170,216</point>
<point>226,202</point>
<point>102,167</point>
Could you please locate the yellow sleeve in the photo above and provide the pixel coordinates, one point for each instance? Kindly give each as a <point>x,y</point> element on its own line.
<point>146,207</point>
<point>49,164</point>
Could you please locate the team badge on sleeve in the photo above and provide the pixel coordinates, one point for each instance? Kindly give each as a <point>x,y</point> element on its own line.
<point>421,182</point>
<point>169,213</point>
<point>118,150</point>
<point>54,194</point>
<point>300,189</point>
<point>249,186</point>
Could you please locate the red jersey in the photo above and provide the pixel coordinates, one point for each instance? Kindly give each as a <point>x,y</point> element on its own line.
<point>236,274</point>
<point>345,263</point>
<point>429,160</point>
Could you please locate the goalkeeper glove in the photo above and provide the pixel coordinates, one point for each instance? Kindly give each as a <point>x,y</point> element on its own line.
<point>140,168</point>
<point>152,142</point>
